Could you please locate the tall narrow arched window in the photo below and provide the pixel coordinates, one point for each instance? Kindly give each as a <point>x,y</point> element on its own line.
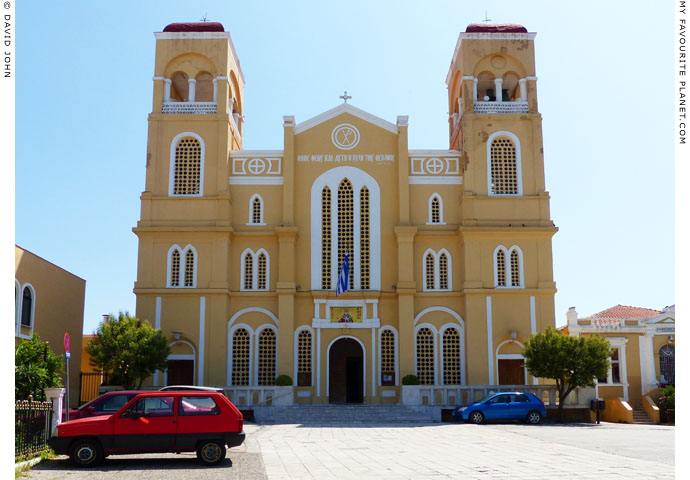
<point>364,246</point>
<point>261,277</point>
<point>326,238</point>
<point>429,277</point>
<point>425,356</point>
<point>346,226</point>
<point>387,357</point>
<point>175,269</point>
<point>435,210</point>
<point>304,358</point>
<point>27,319</point>
<point>443,272</point>
<point>500,268</point>
<point>187,167</point>
<point>248,271</point>
<point>189,269</point>
<point>514,269</point>
<point>266,364</point>
<point>504,167</point>
<point>241,342</point>
<point>451,357</point>
<point>667,365</point>
<point>256,210</point>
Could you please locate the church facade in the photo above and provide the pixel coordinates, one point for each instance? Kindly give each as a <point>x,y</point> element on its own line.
<point>447,253</point>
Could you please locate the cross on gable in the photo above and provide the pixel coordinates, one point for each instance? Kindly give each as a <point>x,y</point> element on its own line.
<point>345,97</point>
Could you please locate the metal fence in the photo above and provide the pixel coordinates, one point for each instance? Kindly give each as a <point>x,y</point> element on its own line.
<point>89,384</point>
<point>32,426</point>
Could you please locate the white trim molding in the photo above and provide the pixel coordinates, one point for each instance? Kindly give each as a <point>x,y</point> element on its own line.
<point>255,270</point>
<point>490,339</point>
<point>20,310</point>
<point>171,173</point>
<point>437,271</point>
<point>345,108</point>
<point>250,219</point>
<point>509,356</point>
<point>442,354</point>
<point>231,332</point>
<point>257,334</point>
<point>183,266</point>
<point>518,163</point>
<point>618,343</point>
<point>239,313</point>
<point>430,221</point>
<point>434,334</point>
<point>295,347</point>
<point>364,364</point>
<point>507,252</point>
<point>396,352</point>
<point>182,356</point>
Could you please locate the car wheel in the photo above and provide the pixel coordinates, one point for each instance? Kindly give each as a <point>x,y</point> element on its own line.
<point>476,417</point>
<point>211,452</point>
<point>534,417</point>
<point>86,453</point>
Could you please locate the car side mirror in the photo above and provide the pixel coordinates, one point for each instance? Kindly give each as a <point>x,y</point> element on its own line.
<point>91,409</point>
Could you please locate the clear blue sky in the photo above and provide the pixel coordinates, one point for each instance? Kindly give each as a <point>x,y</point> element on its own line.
<point>84,86</point>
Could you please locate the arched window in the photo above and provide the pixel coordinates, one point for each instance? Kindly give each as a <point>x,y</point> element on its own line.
<point>667,365</point>
<point>180,87</point>
<point>326,238</point>
<point>181,267</point>
<point>514,269</point>
<point>504,164</point>
<point>241,342</point>
<point>204,87</point>
<point>364,246</point>
<point>451,357</point>
<point>425,356</point>
<point>256,210</point>
<point>435,210</point>
<point>189,269</point>
<point>27,319</point>
<point>266,364</point>
<point>187,167</point>
<point>261,275</point>
<point>248,271</point>
<point>387,345</point>
<point>429,271</point>
<point>443,272</point>
<point>175,269</point>
<point>500,268</point>
<point>345,226</point>
<point>304,358</point>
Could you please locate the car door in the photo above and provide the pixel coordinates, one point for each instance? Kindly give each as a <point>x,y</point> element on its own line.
<point>497,407</point>
<point>199,417</point>
<point>519,405</point>
<point>148,424</point>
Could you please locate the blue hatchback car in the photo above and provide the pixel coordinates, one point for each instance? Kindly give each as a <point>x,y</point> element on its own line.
<point>503,406</point>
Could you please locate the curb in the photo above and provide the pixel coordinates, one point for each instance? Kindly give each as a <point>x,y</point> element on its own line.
<point>18,467</point>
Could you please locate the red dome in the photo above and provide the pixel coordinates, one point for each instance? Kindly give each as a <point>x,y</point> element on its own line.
<point>495,28</point>
<point>195,27</point>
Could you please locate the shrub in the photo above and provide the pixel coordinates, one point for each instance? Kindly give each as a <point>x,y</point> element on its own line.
<point>410,380</point>
<point>667,401</point>
<point>36,368</point>
<point>284,381</point>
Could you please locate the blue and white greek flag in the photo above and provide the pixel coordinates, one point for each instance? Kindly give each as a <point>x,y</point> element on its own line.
<point>343,278</point>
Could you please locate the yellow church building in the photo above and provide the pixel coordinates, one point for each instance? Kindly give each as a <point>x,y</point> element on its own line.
<point>449,262</point>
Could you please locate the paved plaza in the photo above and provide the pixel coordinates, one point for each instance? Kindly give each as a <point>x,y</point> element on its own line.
<point>353,450</point>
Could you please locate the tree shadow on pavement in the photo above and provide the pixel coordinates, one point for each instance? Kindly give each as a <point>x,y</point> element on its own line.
<point>143,463</point>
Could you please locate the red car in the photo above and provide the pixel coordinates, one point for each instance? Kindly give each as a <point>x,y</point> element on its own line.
<point>174,421</point>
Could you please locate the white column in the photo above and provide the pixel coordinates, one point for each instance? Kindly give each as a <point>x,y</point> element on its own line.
<point>318,362</point>
<point>55,395</point>
<point>166,89</point>
<point>202,335</point>
<point>215,90</point>
<point>373,361</point>
<point>474,89</point>
<point>157,326</point>
<point>192,89</point>
<point>523,89</point>
<point>533,327</point>
<point>490,340</point>
<point>498,83</point>
<point>649,360</point>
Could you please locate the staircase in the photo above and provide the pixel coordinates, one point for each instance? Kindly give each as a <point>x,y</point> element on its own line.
<point>362,414</point>
<point>641,417</point>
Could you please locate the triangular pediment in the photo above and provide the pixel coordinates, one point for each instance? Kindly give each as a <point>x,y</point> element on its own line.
<point>345,108</point>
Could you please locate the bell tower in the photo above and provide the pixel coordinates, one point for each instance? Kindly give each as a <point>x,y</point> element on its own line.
<point>505,223</point>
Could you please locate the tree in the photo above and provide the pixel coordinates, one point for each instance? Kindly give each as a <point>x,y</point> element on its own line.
<point>572,362</point>
<point>36,367</point>
<point>129,348</point>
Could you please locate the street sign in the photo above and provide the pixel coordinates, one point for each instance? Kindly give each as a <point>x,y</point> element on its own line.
<point>67,354</point>
<point>67,343</point>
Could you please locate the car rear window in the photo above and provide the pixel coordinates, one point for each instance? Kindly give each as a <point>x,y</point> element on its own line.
<point>520,398</point>
<point>198,405</point>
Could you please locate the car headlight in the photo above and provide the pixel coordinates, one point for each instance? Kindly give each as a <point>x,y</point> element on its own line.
<point>461,409</point>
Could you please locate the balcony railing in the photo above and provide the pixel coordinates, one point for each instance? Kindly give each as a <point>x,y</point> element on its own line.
<point>501,107</point>
<point>202,108</point>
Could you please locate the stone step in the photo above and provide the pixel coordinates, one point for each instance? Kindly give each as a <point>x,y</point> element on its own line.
<point>641,417</point>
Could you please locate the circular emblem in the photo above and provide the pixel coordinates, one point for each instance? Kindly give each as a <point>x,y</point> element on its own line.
<point>256,166</point>
<point>434,166</point>
<point>345,136</point>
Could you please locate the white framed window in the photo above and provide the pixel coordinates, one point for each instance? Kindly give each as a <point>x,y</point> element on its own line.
<point>617,373</point>
<point>25,301</point>
<point>266,360</point>
<point>425,354</point>
<point>437,268</point>
<point>504,164</point>
<point>182,263</point>
<point>304,356</point>
<point>255,270</point>
<point>240,355</point>
<point>508,267</point>
<point>256,210</point>
<point>187,152</point>
<point>388,356</point>
<point>435,210</point>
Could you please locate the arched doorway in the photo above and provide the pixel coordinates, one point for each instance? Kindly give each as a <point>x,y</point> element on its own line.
<point>346,372</point>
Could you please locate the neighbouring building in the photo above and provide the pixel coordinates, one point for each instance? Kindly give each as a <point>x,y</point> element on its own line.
<point>449,251</point>
<point>49,301</point>
<point>643,344</point>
